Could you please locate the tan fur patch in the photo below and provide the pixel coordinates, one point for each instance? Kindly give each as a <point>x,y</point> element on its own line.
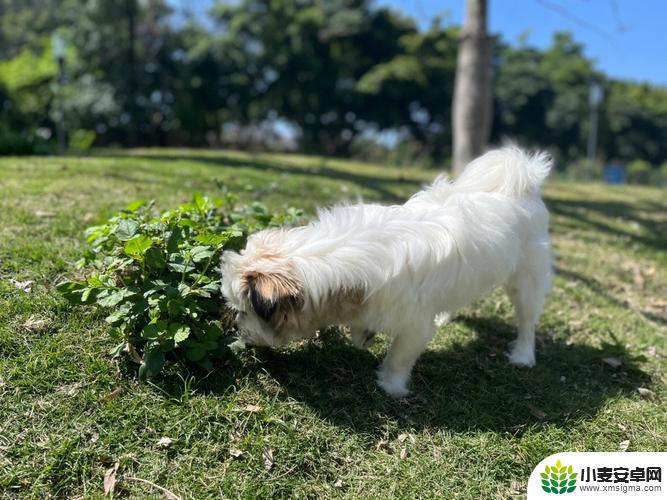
<point>273,286</point>
<point>274,295</point>
<point>346,303</point>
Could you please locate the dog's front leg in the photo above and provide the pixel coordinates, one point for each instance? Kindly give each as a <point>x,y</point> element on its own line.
<point>394,372</point>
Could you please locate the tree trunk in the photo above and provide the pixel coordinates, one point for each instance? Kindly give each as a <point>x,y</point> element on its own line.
<point>133,125</point>
<point>472,106</point>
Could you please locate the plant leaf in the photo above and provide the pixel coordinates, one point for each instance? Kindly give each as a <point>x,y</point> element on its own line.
<point>137,246</point>
<point>126,229</point>
<point>179,332</point>
<point>152,364</point>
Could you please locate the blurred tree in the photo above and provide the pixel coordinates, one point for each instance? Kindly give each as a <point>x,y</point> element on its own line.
<point>635,122</point>
<point>402,94</point>
<point>301,59</point>
<point>343,72</point>
<point>570,74</point>
<point>523,95</point>
<point>541,98</point>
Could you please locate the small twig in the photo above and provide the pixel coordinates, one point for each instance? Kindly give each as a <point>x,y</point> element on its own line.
<point>170,495</point>
<point>549,4</point>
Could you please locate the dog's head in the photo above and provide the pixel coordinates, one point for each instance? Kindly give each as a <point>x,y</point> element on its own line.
<point>266,291</point>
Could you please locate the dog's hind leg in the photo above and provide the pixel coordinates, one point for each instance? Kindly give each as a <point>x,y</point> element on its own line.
<point>394,372</point>
<point>527,288</point>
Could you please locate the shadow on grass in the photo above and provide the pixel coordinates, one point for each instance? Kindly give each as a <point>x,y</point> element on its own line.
<point>600,289</point>
<point>654,232</point>
<point>467,387</point>
<point>319,168</point>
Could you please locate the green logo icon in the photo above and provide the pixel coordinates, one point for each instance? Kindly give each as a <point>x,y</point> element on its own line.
<point>558,479</point>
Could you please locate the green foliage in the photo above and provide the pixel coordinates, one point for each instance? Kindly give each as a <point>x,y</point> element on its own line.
<point>81,140</point>
<point>304,59</point>
<point>584,169</point>
<point>156,276</point>
<point>15,143</point>
<point>542,96</point>
<point>335,71</point>
<point>634,123</point>
<point>640,172</point>
<point>28,69</point>
<point>662,174</point>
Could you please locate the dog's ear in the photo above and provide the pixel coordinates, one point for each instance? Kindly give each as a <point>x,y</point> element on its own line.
<point>273,295</point>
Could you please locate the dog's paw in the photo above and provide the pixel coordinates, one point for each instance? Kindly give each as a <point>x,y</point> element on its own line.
<point>521,356</point>
<point>363,339</point>
<point>442,319</point>
<point>369,339</point>
<point>395,385</point>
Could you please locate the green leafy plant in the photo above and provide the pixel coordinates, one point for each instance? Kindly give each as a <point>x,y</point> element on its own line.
<point>157,276</point>
<point>558,479</point>
<point>640,172</point>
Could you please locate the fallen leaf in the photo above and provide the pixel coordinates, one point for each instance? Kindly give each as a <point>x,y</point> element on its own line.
<point>252,408</point>
<point>35,324</point>
<point>404,453</point>
<point>167,494</point>
<point>70,389</point>
<point>267,455</point>
<point>338,483</point>
<point>646,393</point>
<point>112,395</point>
<point>658,302</point>
<point>25,286</point>
<point>623,445</point>
<point>41,213</point>
<point>653,352</point>
<point>622,427</point>
<point>402,438</point>
<point>536,411</point>
<point>518,488</point>
<point>613,362</point>
<point>165,442</point>
<point>235,452</point>
<point>383,444</point>
<point>110,479</point>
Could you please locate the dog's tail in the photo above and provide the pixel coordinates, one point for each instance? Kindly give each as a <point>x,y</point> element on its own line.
<point>509,170</point>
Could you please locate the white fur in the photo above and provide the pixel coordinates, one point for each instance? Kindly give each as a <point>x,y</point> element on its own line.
<point>416,263</point>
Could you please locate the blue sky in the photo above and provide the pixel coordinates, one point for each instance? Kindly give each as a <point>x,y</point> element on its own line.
<point>627,38</point>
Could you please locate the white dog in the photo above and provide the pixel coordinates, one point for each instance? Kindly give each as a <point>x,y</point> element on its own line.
<point>395,268</point>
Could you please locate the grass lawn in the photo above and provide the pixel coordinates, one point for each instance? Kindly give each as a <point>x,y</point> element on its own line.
<point>308,420</point>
